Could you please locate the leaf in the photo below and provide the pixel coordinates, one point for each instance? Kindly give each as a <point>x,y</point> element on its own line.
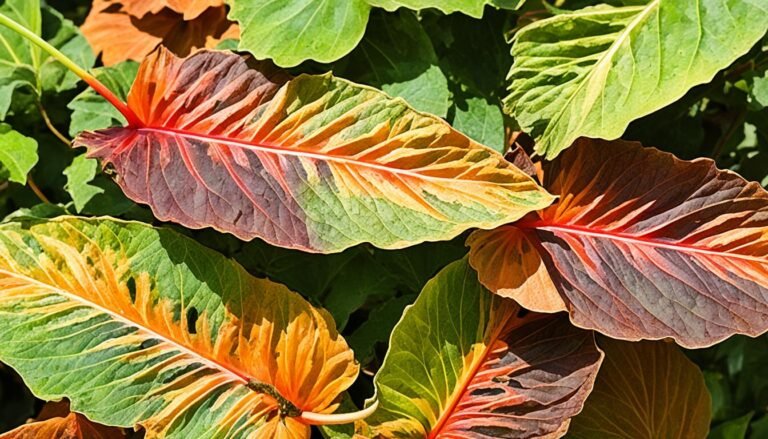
<point>291,31</point>
<point>645,390</point>
<point>24,66</point>
<point>57,422</point>
<point>80,174</point>
<point>18,154</point>
<point>472,8</point>
<point>591,72</point>
<point>90,111</point>
<point>396,55</point>
<point>482,121</point>
<point>118,36</point>
<point>162,333</point>
<point>642,245</point>
<point>733,429</point>
<point>191,9</point>
<point>463,363</point>
<point>313,163</point>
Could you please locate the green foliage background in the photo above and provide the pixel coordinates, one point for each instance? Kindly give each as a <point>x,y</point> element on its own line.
<point>450,65</point>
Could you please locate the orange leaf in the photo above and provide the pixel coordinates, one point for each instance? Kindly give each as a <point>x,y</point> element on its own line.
<point>190,8</point>
<point>118,35</point>
<point>57,422</point>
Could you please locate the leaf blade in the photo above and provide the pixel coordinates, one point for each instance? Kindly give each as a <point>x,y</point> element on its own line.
<point>314,163</point>
<point>591,72</point>
<point>181,329</point>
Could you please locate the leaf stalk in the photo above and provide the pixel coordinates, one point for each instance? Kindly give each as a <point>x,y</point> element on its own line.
<point>130,116</point>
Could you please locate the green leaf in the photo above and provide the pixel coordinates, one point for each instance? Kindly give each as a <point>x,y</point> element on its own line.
<point>473,8</point>
<point>377,328</point>
<point>292,31</point>
<point>733,429</point>
<point>461,359</point>
<point>482,121</point>
<point>18,154</point>
<point>80,174</point>
<point>591,72</point>
<point>759,91</point>
<point>90,111</point>
<point>397,56</point>
<point>25,66</point>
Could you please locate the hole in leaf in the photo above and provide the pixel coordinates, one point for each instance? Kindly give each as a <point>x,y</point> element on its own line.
<point>131,284</point>
<point>192,320</point>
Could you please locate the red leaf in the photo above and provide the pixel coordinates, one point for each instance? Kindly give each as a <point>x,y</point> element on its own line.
<point>314,162</point>
<point>643,245</point>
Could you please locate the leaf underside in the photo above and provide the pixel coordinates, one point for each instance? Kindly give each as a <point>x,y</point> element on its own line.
<point>642,245</point>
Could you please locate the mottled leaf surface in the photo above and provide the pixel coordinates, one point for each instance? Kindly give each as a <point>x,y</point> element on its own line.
<point>141,326</point>
<point>642,245</point>
<point>591,72</point>
<point>314,163</point>
<point>645,390</point>
<point>463,363</point>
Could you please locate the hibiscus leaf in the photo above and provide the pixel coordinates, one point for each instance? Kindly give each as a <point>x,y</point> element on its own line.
<point>314,162</point>
<point>461,359</point>
<point>591,72</point>
<point>162,332</point>
<point>642,245</point>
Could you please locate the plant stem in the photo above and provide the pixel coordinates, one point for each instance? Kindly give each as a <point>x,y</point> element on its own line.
<point>338,418</point>
<point>36,190</point>
<point>50,126</point>
<point>100,88</point>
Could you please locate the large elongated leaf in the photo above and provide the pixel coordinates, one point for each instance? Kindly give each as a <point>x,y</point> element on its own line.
<point>314,163</point>
<point>140,326</point>
<point>463,364</point>
<point>642,245</point>
<point>591,72</point>
<point>645,390</point>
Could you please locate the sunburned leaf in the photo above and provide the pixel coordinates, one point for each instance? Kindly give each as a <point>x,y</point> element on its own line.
<point>641,245</point>
<point>18,154</point>
<point>591,72</point>
<point>314,163</point>
<point>118,36</point>
<point>191,9</point>
<point>141,326</point>
<point>57,422</point>
<point>24,66</point>
<point>463,363</point>
<point>645,390</point>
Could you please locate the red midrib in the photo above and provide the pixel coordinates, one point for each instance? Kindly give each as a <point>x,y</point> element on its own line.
<point>446,415</point>
<point>572,229</point>
<point>292,152</point>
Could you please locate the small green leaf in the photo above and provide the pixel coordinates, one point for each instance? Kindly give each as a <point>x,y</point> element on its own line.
<point>18,154</point>
<point>732,429</point>
<point>759,91</point>
<point>591,72</point>
<point>80,174</point>
<point>482,121</point>
<point>90,111</point>
<point>397,56</point>
<point>292,31</point>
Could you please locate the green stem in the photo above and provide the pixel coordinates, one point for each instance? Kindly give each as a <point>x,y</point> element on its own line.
<point>100,88</point>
